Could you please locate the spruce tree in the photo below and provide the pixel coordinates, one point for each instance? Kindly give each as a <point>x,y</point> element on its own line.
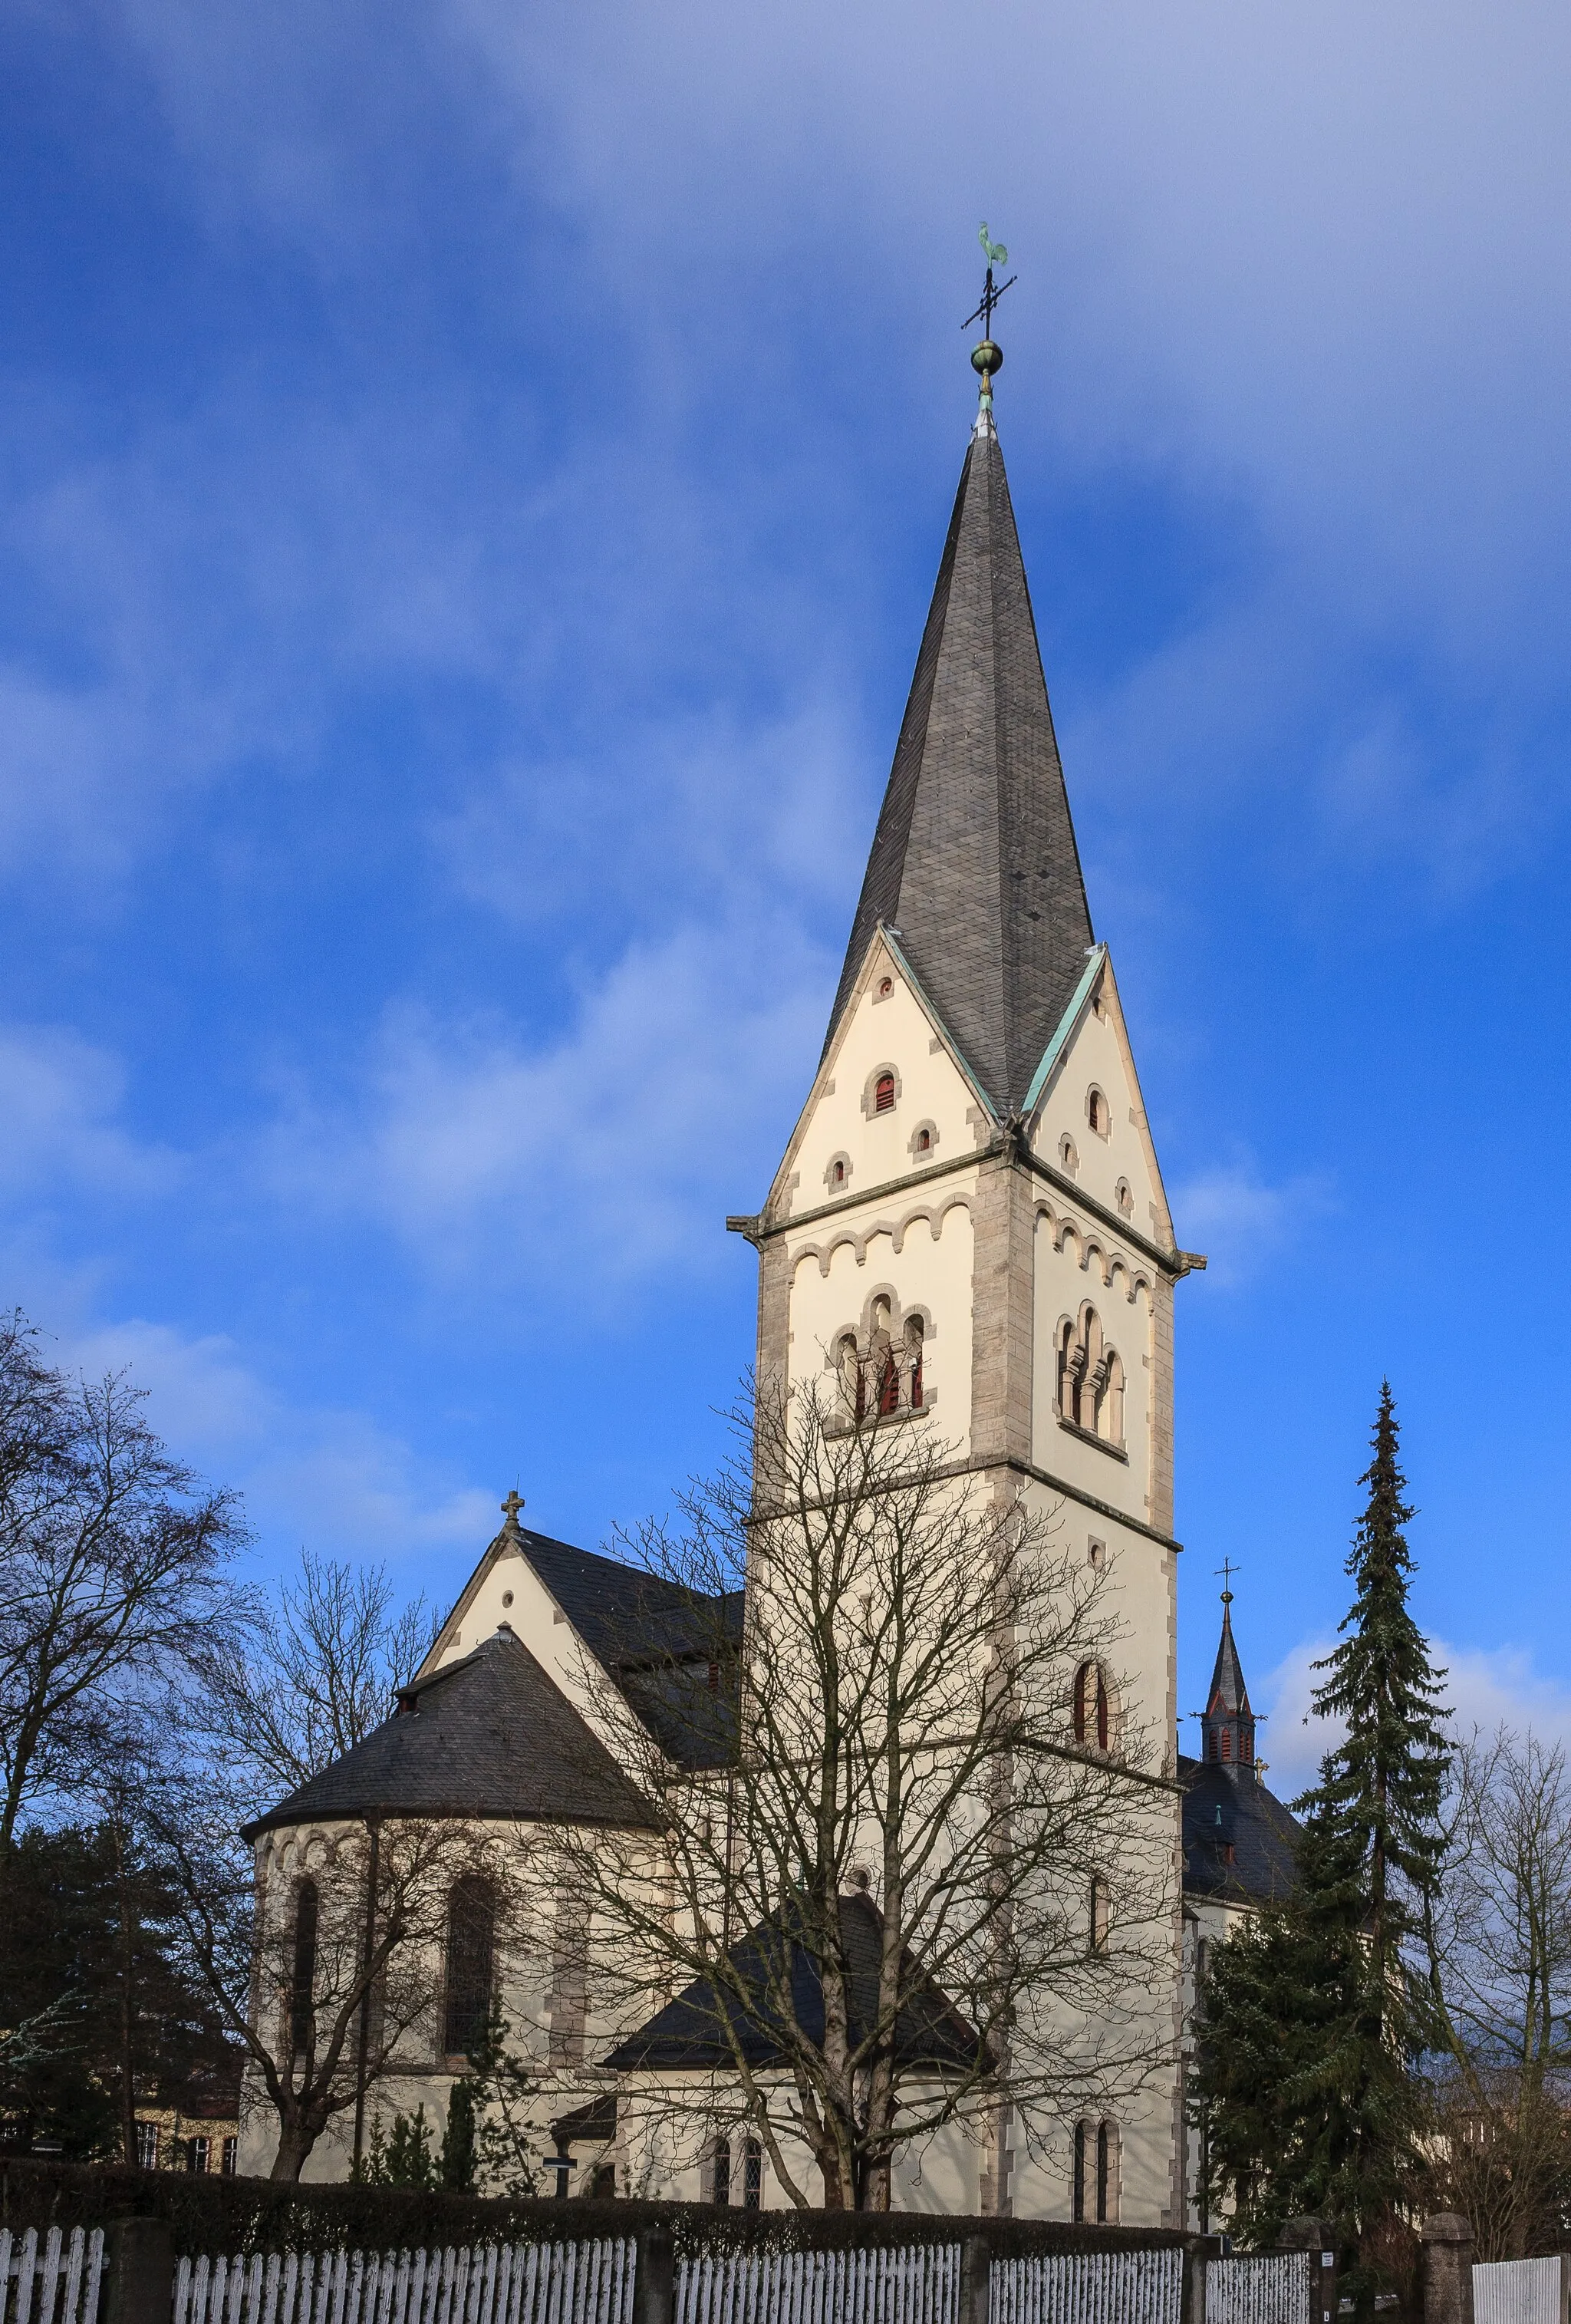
<point>1314,2015</point>
<point>1380,1797</point>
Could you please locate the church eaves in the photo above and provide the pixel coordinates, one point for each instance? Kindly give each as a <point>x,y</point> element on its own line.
<point>974,863</point>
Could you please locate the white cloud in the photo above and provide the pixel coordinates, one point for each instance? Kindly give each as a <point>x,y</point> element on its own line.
<point>1485,1688</point>
<point>1240,1221</point>
<point>59,1097</point>
<point>324,1477</point>
<point>597,1159</point>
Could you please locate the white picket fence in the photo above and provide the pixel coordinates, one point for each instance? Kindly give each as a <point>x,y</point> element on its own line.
<point>1521,2291</point>
<point>918,2286</point>
<point>55,2279</point>
<point>1137,2287</point>
<point>1273,2289</point>
<point>58,2284</point>
<point>492,2283</point>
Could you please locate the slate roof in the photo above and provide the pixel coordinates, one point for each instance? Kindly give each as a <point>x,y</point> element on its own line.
<point>974,861</point>
<point>1228,1691</point>
<point>663,1644</point>
<point>1228,1807</point>
<point>490,1735</point>
<point>687,2035</point>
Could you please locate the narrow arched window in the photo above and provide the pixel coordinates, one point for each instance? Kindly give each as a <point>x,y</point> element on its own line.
<point>837,1173</point>
<point>1067,1159</point>
<point>848,1363</point>
<point>1094,1111</point>
<point>1093,1718</point>
<point>752,2176</point>
<point>889,1383</point>
<point>1110,1415</point>
<point>1226,1743</point>
<point>721,2167</point>
<point>914,1336</point>
<point>303,1973</point>
<point>1077,2188</point>
<point>925,1141</point>
<point>471,1950</point>
<point>884,1094</point>
<point>1104,2174</point>
<point>1097,1913</point>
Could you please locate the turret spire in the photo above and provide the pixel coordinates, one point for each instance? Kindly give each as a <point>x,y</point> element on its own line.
<point>974,862</point>
<point>1229,1722</point>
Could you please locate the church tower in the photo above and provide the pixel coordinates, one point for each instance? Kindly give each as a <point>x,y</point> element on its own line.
<point>968,1224</point>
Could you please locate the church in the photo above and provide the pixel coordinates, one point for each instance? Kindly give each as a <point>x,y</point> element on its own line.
<point>967,1237</point>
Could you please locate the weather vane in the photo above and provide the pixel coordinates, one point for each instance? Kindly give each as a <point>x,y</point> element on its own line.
<point>988,356</point>
<point>997,255</point>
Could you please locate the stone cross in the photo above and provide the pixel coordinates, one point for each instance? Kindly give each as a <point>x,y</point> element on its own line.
<point>513,1505</point>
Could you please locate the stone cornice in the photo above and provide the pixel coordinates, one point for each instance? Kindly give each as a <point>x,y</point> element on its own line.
<point>1174,1263</point>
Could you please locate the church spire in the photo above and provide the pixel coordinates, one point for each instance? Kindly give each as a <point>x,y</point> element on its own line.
<point>974,861</point>
<point>1229,1722</point>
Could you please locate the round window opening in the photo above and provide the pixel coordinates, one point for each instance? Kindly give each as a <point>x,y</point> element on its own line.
<point>886,987</point>
<point>507,1597</point>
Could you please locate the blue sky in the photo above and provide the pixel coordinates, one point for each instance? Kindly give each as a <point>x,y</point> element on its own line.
<point>469,486</point>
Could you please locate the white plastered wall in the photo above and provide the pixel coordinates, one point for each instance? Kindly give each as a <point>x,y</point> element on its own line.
<point>879,1033</point>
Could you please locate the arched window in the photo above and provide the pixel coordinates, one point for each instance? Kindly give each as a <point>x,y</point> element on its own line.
<point>925,1141</point>
<point>1090,1377</point>
<point>884,1094</point>
<point>1093,1710</point>
<point>848,1363</point>
<point>471,1950</point>
<point>1125,1198</point>
<point>837,1173</point>
<point>303,1974</point>
<point>752,2176</point>
<point>1068,1161</point>
<point>914,1335</point>
<point>1094,2189</point>
<point>1097,1111</point>
<point>720,2165</point>
<point>1098,1913</point>
<point>883,1370</point>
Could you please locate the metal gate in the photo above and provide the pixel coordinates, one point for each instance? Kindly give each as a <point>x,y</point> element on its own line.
<point>1273,2289</point>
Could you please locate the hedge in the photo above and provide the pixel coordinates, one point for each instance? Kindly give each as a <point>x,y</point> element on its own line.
<point>213,2214</point>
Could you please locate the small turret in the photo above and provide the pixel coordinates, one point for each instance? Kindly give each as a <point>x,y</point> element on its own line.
<point>1229,1722</point>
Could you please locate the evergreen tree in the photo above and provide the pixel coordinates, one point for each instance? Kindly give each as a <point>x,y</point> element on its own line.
<point>1378,1800</point>
<point>1313,2017</point>
<point>1383,1786</point>
<point>456,2167</point>
<point>1274,2017</point>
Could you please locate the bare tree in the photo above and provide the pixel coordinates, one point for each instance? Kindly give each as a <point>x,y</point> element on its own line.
<point>114,1564</point>
<point>311,1674</point>
<point>1501,1954</point>
<point>914,1780</point>
<point>327,1970</point>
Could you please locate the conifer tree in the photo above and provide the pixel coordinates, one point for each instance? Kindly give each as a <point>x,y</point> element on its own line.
<point>1314,2015</point>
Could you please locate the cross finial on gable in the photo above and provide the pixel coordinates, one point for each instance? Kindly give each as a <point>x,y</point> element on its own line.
<point>1226,1570</point>
<point>511,1506</point>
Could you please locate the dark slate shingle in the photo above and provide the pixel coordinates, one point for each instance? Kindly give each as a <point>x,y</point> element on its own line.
<point>493,1735</point>
<point>1228,1807</point>
<point>687,2035</point>
<point>975,859</point>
